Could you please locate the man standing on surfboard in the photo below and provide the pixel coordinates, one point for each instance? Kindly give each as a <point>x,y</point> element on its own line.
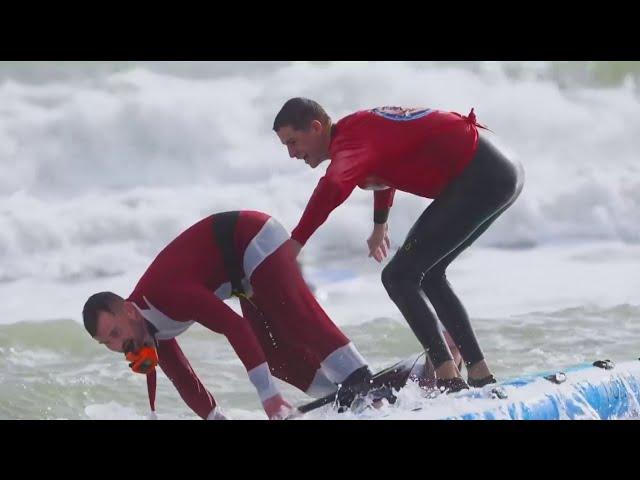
<point>431,153</point>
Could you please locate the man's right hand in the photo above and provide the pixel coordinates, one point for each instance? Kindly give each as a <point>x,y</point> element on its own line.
<point>277,408</point>
<point>378,242</point>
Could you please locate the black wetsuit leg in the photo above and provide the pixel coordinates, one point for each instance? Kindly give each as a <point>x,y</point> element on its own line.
<point>453,221</point>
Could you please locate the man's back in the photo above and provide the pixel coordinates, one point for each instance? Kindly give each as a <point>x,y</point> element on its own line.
<point>417,151</point>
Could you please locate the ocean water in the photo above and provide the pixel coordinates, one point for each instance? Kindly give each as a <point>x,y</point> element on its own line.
<point>103,163</point>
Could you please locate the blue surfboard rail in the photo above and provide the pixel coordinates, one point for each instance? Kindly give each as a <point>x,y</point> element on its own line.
<point>579,392</point>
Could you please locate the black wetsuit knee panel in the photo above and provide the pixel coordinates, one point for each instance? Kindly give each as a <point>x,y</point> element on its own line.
<point>397,278</point>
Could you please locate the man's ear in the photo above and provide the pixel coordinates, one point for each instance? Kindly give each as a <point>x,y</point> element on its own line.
<point>129,309</point>
<point>316,126</point>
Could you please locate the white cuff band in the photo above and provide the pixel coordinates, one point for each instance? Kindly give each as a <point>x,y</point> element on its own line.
<point>264,382</point>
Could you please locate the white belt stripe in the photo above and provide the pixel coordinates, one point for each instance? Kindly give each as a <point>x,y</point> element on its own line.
<point>267,241</point>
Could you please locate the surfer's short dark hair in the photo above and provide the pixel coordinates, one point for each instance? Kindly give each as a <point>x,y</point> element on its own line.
<point>99,302</point>
<point>298,113</point>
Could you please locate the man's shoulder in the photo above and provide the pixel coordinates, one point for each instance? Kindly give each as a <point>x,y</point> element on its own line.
<point>160,295</point>
<point>354,119</point>
<point>353,131</point>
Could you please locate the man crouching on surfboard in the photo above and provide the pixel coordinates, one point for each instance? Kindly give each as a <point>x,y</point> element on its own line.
<point>283,331</point>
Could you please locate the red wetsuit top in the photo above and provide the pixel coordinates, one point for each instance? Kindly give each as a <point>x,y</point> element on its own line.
<point>419,151</point>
